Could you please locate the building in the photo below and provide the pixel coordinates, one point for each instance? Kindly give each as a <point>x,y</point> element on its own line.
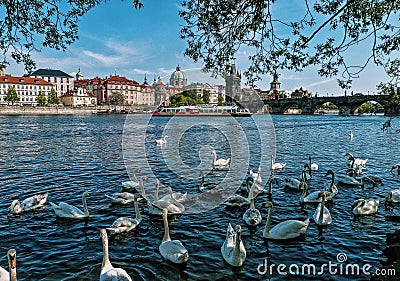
<point>62,82</point>
<point>78,97</point>
<point>178,78</point>
<point>27,88</point>
<point>300,93</point>
<point>232,81</point>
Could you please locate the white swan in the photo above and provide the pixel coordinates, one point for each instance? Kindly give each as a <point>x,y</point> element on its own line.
<point>233,250</point>
<point>350,181</point>
<point>134,185</point>
<point>108,272</point>
<point>276,166</point>
<point>65,210</point>
<point>121,198</point>
<point>313,166</point>
<point>322,216</point>
<point>393,196</point>
<point>252,216</point>
<point>357,161</point>
<point>162,140</point>
<point>296,184</point>
<point>288,229</point>
<point>365,207</point>
<point>29,204</point>
<point>256,176</point>
<point>10,275</point>
<point>220,163</point>
<point>394,167</point>
<point>316,196</point>
<point>172,250</point>
<point>127,224</point>
<point>169,202</point>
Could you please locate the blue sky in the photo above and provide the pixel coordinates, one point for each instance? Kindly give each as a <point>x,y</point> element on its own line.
<point>116,37</point>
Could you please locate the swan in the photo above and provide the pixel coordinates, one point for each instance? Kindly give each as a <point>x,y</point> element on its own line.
<point>237,200</point>
<point>29,204</point>
<point>365,207</point>
<point>316,196</point>
<point>276,166</point>
<point>108,272</point>
<point>296,184</point>
<point>395,166</point>
<point>162,140</point>
<point>169,202</point>
<point>134,185</point>
<point>65,210</point>
<point>122,198</point>
<point>127,224</point>
<point>233,250</point>
<point>322,216</point>
<point>284,230</point>
<point>220,162</point>
<point>350,181</point>
<point>12,265</point>
<point>357,161</point>
<point>205,187</point>
<point>313,166</point>
<point>270,181</point>
<point>252,216</point>
<point>351,134</point>
<point>172,250</point>
<point>393,196</point>
<point>256,176</point>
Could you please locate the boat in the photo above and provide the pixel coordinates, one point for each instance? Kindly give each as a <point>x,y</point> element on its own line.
<point>203,110</point>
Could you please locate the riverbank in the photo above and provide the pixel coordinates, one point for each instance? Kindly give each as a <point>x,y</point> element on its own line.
<point>58,110</point>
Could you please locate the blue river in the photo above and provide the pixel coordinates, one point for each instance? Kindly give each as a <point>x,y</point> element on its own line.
<point>67,155</point>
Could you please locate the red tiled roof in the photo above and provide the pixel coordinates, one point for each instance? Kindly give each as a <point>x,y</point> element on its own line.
<point>23,80</point>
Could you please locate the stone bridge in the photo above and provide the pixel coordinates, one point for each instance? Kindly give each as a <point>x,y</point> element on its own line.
<point>346,104</point>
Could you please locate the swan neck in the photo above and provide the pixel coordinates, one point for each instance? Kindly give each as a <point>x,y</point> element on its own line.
<point>268,223</point>
<point>252,205</point>
<point>303,194</point>
<point>166,228</point>
<point>137,211</point>
<point>270,187</point>
<point>12,269</point>
<point>106,259</point>
<point>85,208</point>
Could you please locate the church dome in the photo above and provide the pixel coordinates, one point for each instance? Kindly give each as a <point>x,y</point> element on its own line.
<point>178,74</point>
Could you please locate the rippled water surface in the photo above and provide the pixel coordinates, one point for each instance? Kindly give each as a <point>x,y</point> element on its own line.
<point>67,155</point>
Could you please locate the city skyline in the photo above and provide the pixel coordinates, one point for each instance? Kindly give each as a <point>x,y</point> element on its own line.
<point>114,37</point>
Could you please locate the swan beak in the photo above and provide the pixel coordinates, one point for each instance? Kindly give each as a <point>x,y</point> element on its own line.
<point>13,260</point>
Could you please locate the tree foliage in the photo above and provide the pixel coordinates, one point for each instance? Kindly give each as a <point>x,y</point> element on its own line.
<point>11,96</point>
<point>30,25</point>
<point>320,33</point>
<point>53,98</point>
<point>41,99</point>
<point>185,98</point>
<point>117,98</point>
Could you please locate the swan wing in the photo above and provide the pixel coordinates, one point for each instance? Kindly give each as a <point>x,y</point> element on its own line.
<point>4,275</point>
<point>130,184</point>
<point>66,210</point>
<point>174,251</point>
<point>115,274</point>
<point>289,229</point>
<point>34,202</point>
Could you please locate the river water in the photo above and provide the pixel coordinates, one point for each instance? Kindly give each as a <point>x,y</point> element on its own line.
<point>67,155</point>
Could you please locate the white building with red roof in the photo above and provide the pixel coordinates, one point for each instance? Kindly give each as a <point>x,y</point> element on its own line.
<point>27,88</point>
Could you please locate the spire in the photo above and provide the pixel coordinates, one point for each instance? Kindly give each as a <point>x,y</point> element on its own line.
<point>145,80</point>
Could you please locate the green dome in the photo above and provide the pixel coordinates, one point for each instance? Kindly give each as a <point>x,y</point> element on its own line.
<point>178,74</point>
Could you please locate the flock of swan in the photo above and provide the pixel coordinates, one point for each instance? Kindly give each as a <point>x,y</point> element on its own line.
<point>233,249</point>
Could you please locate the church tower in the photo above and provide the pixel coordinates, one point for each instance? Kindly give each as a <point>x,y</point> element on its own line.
<point>232,82</point>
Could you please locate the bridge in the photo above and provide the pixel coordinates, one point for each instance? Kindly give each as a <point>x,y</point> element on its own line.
<point>346,104</point>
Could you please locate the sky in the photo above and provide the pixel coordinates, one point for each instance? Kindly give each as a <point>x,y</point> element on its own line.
<point>116,38</point>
